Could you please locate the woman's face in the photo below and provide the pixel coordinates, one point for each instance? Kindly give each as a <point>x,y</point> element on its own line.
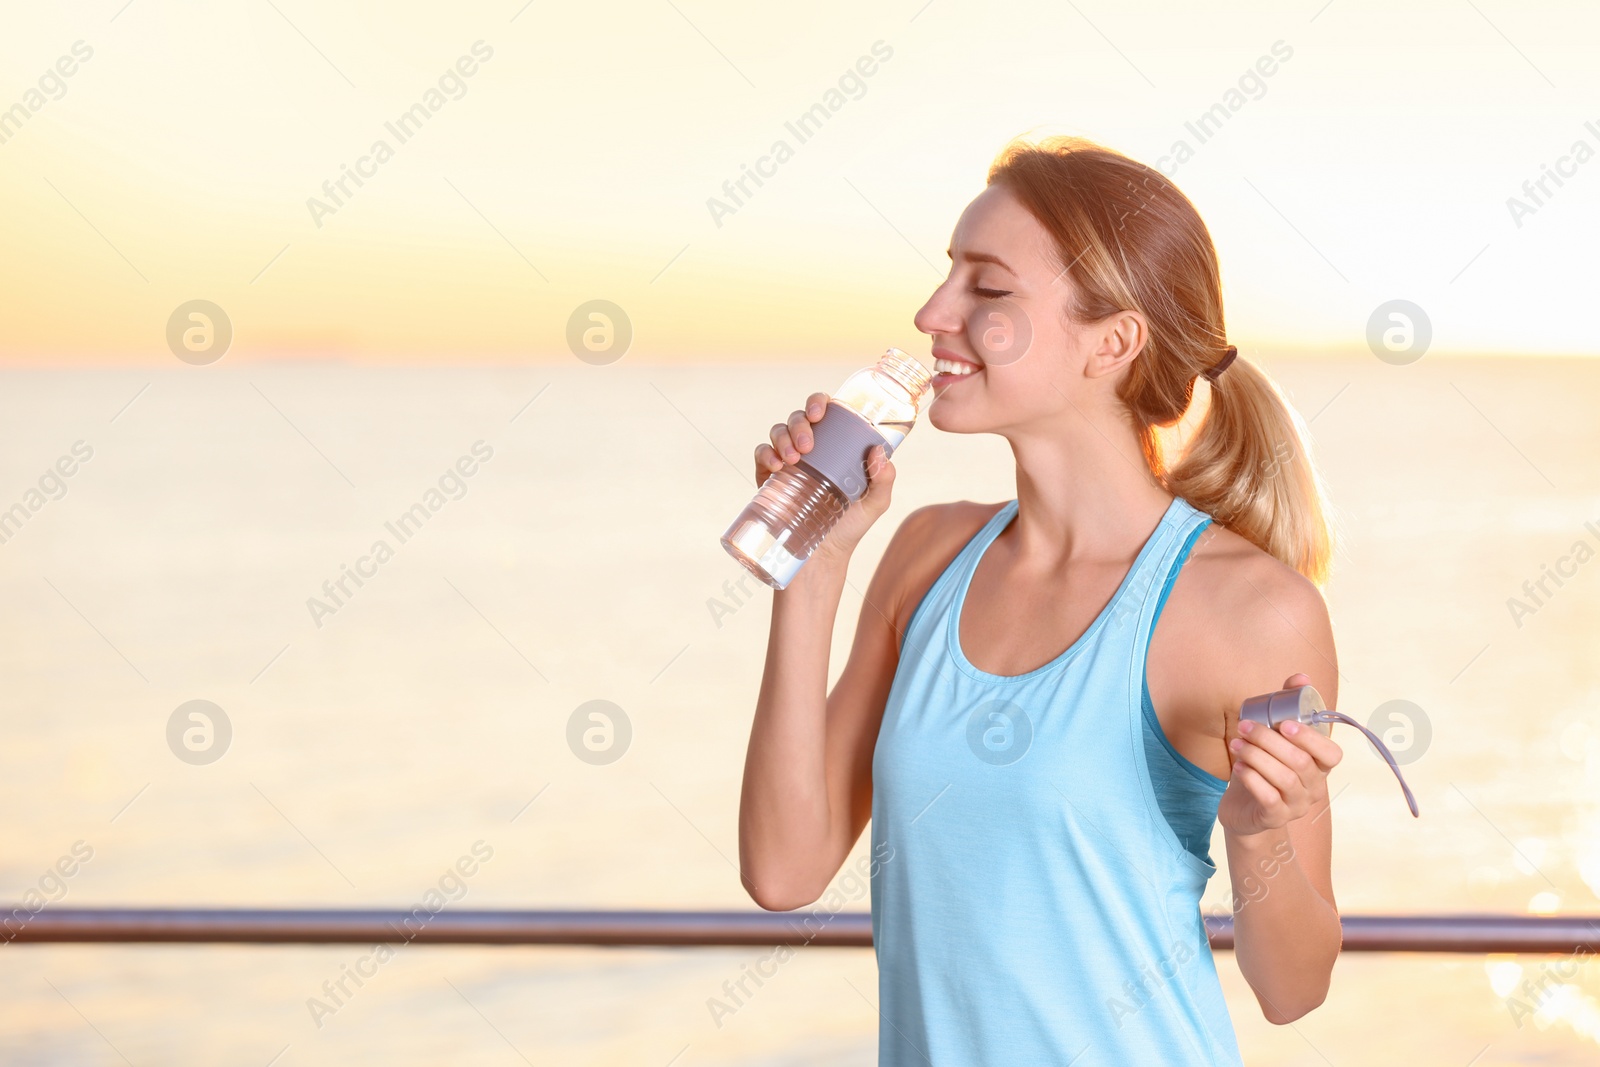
<point>1002,311</point>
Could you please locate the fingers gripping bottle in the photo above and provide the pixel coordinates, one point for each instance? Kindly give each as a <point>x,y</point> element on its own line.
<point>796,506</point>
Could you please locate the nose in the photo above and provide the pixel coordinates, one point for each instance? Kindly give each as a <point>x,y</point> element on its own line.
<point>939,314</point>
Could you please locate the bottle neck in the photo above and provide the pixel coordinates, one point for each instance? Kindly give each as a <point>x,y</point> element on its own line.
<point>907,373</point>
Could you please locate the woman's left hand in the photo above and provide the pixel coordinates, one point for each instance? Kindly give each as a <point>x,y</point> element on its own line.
<point>1278,774</point>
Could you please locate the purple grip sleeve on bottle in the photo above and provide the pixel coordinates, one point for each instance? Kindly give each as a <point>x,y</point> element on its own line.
<point>840,440</point>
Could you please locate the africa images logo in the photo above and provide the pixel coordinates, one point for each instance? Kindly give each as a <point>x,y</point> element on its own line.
<point>999,732</point>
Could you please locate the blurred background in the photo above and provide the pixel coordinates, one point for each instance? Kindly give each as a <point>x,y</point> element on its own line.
<point>277,273</point>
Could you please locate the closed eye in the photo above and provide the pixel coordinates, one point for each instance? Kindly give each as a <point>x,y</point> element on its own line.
<point>992,294</point>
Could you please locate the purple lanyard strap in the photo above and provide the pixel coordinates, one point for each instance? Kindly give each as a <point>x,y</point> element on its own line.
<point>1304,704</point>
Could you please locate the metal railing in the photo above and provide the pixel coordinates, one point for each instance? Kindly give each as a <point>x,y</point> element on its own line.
<point>1467,933</point>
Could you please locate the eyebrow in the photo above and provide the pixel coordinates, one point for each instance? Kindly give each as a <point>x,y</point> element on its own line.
<point>983,257</point>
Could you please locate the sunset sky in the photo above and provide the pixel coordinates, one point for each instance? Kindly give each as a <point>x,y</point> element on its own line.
<point>575,162</point>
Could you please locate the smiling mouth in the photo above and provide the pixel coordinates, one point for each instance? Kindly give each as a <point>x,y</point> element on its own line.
<point>948,370</point>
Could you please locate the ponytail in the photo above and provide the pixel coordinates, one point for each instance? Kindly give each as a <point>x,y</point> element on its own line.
<point>1247,467</point>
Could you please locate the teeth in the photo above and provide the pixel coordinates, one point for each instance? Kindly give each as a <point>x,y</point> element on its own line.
<point>951,366</point>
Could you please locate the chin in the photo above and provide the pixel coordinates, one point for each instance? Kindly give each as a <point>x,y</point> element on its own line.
<point>953,420</point>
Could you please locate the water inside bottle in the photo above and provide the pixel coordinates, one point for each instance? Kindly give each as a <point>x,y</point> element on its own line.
<point>777,532</point>
<point>895,432</point>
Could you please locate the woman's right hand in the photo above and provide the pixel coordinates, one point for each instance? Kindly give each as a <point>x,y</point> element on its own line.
<point>794,439</point>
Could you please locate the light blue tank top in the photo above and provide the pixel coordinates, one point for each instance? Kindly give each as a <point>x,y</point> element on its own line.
<point>1031,904</point>
<point>1186,793</point>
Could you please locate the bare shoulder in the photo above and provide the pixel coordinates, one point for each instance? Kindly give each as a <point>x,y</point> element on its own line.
<point>1264,620</point>
<point>922,547</point>
<point>1239,577</point>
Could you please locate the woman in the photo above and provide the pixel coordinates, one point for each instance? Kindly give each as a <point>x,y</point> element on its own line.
<point>1041,762</point>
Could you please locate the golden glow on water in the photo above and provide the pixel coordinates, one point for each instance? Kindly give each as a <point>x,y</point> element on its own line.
<point>405,727</point>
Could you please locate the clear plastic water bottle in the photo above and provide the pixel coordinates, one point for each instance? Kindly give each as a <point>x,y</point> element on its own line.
<point>796,506</point>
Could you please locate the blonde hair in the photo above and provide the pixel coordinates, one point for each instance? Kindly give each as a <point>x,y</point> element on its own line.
<point>1130,241</point>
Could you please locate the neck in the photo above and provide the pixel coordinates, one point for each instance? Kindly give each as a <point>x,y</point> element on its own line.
<point>1084,492</point>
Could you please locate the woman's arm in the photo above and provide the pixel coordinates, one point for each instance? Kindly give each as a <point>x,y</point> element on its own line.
<point>807,789</point>
<point>1275,812</point>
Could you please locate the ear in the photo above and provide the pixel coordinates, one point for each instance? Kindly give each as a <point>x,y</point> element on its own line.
<point>1114,342</point>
